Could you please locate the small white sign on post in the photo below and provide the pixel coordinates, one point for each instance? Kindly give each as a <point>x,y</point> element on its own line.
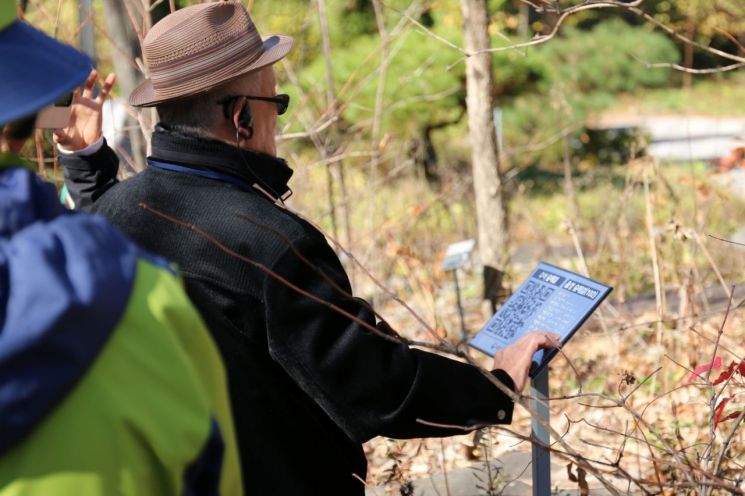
<point>457,255</point>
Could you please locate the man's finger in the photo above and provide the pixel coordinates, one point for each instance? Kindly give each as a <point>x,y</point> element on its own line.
<point>90,83</point>
<point>553,340</point>
<point>548,340</point>
<point>541,341</point>
<point>60,136</point>
<point>106,88</point>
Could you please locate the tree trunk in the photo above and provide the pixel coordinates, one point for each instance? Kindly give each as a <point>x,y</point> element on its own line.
<point>125,48</point>
<point>688,55</point>
<point>491,210</point>
<point>335,171</point>
<point>330,109</point>
<point>425,153</point>
<point>523,25</point>
<point>87,34</point>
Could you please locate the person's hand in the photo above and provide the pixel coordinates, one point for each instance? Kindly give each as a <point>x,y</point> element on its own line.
<point>86,116</point>
<point>517,358</point>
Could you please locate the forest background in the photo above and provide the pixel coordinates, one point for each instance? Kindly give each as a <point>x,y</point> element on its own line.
<point>385,159</point>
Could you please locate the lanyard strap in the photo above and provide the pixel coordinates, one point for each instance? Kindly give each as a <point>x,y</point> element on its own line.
<point>239,183</point>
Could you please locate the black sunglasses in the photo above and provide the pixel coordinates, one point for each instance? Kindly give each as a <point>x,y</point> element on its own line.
<point>282,101</point>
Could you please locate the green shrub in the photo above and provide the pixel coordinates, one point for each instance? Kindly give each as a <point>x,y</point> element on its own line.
<point>607,58</point>
<point>583,72</point>
<point>541,89</point>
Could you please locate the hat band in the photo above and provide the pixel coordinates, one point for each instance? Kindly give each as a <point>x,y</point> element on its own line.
<point>191,82</point>
<point>8,13</point>
<point>207,61</point>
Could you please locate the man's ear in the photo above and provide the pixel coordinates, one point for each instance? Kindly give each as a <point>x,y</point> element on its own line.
<point>242,118</point>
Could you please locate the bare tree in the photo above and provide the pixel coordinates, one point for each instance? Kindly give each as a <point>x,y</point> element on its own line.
<point>126,49</point>
<point>491,207</point>
<point>87,33</point>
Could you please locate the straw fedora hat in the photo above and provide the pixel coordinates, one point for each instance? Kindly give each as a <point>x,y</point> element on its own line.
<point>200,47</point>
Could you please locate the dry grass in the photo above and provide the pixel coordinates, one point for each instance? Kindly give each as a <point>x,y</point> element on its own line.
<point>643,337</point>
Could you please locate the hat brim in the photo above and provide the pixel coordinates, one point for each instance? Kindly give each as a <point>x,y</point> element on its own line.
<point>36,71</point>
<point>276,47</point>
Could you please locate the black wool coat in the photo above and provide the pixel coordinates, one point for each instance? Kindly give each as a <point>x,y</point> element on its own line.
<point>307,384</point>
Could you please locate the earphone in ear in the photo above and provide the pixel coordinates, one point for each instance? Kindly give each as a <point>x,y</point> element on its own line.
<point>243,121</point>
<point>240,114</point>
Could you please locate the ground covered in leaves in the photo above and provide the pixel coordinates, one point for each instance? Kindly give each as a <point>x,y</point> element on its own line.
<point>668,412</point>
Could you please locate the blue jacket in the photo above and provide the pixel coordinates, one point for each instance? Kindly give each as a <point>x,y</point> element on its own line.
<point>109,382</point>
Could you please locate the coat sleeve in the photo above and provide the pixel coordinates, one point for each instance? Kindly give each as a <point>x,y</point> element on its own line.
<point>89,177</point>
<point>367,384</point>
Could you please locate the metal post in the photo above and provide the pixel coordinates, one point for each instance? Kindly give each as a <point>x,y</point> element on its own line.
<point>87,33</point>
<point>463,330</point>
<point>541,455</point>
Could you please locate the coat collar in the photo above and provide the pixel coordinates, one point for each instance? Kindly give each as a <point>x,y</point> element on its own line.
<point>269,172</point>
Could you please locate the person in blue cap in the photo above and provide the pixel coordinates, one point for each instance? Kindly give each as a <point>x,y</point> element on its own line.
<point>109,381</point>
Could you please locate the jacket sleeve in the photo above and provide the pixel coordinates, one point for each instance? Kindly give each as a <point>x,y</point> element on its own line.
<point>89,177</point>
<point>367,384</point>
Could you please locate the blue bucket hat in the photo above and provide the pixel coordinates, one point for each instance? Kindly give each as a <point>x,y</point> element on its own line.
<point>35,69</point>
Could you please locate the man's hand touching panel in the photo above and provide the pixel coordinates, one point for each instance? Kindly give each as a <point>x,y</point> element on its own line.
<point>517,358</point>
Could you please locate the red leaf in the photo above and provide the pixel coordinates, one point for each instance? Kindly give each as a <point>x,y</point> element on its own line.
<point>719,409</point>
<point>699,371</point>
<point>726,374</point>
<point>731,416</point>
<point>741,368</point>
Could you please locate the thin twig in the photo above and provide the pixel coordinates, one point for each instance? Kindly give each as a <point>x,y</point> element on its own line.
<point>726,240</point>
<point>678,67</point>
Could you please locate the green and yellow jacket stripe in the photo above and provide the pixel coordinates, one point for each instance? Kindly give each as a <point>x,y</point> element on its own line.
<point>109,381</point>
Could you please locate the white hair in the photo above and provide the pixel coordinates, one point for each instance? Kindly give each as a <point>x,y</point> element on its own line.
<point>198,115</point>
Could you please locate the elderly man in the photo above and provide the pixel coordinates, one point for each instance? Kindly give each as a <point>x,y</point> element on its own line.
<point>109,381</point>
<point>312,375</point>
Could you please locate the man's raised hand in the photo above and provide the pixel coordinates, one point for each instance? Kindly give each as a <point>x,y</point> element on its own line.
<point>517,358</point>
<point>86,116</point>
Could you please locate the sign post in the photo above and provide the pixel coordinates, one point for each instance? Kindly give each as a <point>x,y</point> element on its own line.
<point>541,437</point>
<point>551,298</point>
<point>463,330</point>
<point>456,257</point>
